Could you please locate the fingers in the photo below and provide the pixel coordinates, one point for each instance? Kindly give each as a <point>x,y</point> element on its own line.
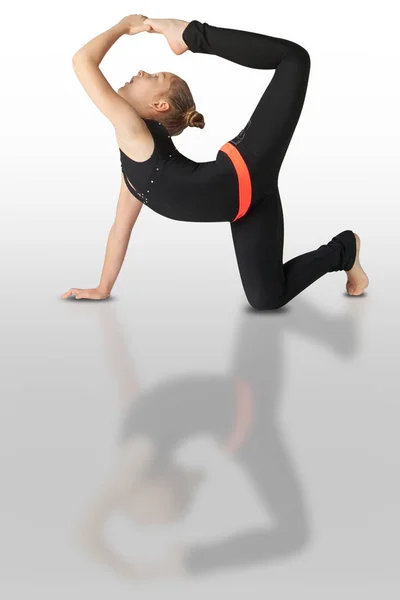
<point>90,293</point>
<point>71,291</point>
<point>154,25</point>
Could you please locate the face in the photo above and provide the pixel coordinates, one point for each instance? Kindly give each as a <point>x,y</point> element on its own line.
<point>146,91</point>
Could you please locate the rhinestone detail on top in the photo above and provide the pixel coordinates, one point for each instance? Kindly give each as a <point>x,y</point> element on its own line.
<point>140,194</point>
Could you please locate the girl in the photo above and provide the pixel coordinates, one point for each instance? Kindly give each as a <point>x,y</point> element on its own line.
<point>240,186</point>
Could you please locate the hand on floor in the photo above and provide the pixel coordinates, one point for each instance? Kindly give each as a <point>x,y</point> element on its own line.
<point>91,293</point>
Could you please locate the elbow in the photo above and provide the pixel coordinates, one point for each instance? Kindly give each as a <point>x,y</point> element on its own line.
<point>77,58</point>
<point>74,61</point>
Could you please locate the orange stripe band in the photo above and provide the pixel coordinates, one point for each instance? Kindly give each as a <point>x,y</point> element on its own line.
<point>243,178</point>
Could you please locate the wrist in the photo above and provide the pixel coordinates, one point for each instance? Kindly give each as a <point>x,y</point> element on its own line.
<point>121,27</point>
<point>104,289</point>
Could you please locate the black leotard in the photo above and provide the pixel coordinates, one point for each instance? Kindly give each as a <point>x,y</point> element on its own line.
<point>179,188</point>
<point>241,184</point>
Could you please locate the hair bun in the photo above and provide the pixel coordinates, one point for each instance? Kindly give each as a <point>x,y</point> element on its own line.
<point>190,113</point>
<point>193,118</point>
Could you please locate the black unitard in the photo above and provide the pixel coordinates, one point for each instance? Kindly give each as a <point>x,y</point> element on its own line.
<point>241,186</point>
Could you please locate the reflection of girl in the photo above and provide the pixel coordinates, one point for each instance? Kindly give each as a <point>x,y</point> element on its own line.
<point>151,488</point>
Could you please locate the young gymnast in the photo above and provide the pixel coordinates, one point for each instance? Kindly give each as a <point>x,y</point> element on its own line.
<point>240,186</point>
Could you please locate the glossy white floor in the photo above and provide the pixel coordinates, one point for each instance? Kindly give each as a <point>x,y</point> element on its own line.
<point>172,441</point>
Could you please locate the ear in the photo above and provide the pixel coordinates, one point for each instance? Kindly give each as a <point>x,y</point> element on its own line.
<point>160,105</point>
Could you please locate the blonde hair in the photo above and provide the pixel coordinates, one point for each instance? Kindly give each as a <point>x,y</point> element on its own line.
<point>183,112</point>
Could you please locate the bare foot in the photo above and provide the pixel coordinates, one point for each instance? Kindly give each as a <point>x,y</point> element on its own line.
<point>357,279</point>
<point>172,29</point>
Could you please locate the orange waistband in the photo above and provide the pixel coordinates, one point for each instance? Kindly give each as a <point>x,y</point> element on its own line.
<point>243,178</point>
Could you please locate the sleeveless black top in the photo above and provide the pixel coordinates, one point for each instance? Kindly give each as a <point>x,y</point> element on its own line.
<point>179,188</point>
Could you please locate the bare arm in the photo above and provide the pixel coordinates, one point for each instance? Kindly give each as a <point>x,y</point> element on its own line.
<point>127,212</point>
<point>86,61</point>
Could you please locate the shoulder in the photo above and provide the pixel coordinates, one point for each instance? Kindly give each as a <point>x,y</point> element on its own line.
<point>139,146</point>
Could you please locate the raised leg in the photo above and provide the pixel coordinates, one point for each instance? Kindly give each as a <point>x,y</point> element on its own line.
<point>265,138</point>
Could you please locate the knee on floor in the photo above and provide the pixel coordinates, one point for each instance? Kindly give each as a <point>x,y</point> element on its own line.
<point>266,306</point>
<point>266,301</point>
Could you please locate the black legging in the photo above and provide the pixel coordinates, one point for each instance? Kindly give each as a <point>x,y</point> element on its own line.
<point>258,235</point>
